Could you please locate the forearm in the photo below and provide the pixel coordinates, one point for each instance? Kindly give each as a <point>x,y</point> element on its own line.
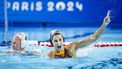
<point>106,21</point>
<point>99,31</point>
<point>92,38</point>
<point>5,52</point>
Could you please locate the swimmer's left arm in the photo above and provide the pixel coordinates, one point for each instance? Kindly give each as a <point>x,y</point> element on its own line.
<point>106,21</point>
<point>95,36</point>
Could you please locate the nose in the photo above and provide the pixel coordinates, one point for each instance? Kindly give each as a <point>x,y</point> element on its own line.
<point>59,42</point>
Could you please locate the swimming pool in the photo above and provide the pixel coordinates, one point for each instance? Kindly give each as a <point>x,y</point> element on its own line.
<point>89,58</point>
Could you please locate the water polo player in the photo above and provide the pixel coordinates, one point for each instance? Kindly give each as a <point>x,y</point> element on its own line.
<point>57,40</point>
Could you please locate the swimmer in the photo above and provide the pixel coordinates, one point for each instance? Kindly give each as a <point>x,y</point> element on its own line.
<point>19,44</point>
<point>69,51</point>
<point>16,43</point>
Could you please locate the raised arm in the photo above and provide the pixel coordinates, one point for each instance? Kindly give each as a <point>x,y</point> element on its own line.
<point>95,36</point>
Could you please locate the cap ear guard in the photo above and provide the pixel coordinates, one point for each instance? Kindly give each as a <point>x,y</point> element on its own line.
<point>23,40</point>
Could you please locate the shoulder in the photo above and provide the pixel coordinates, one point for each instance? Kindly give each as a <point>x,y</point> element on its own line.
<point>71,45</point>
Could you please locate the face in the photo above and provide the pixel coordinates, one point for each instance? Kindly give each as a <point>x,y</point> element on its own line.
<point>16,44</point>
<point>57,42</point>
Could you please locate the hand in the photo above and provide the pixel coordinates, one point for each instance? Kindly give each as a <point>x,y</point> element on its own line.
<point>107,18</point>
<point>51,54</point>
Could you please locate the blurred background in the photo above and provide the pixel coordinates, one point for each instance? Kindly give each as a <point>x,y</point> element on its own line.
<point>38,17</point>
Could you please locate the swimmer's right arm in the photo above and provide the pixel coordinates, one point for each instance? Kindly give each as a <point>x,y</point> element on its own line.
<point>51,54</point>
<point>3,52</point>
<point>7,52</point>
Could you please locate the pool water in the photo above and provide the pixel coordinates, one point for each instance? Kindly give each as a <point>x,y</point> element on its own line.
<point>88,58</point>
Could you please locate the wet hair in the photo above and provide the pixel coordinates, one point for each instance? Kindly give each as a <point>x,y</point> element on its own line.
<point>53,33</point>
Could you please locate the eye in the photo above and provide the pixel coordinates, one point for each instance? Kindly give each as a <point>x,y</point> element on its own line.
<point>60,39</point>
<point>55,40</point>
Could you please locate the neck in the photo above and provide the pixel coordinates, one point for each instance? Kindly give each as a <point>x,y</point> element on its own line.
<point>59,50</point>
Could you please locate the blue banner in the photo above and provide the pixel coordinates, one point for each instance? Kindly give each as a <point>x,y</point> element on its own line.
<point>67,11</point>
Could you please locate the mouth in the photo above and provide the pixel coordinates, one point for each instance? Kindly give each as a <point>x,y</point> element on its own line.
<point>58,47</point>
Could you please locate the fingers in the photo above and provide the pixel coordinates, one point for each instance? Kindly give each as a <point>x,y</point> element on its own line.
<point>108,13</point>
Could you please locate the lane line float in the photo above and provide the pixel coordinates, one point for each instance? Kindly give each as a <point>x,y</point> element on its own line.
<point>99,44</point>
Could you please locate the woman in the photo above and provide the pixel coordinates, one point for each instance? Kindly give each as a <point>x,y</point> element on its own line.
<point>57,40</point>
<point>19,43</point>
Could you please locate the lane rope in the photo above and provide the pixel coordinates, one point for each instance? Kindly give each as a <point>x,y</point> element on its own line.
<point>99,44</point>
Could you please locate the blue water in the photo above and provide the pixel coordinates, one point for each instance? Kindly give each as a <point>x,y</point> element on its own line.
<point>87,58</point>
